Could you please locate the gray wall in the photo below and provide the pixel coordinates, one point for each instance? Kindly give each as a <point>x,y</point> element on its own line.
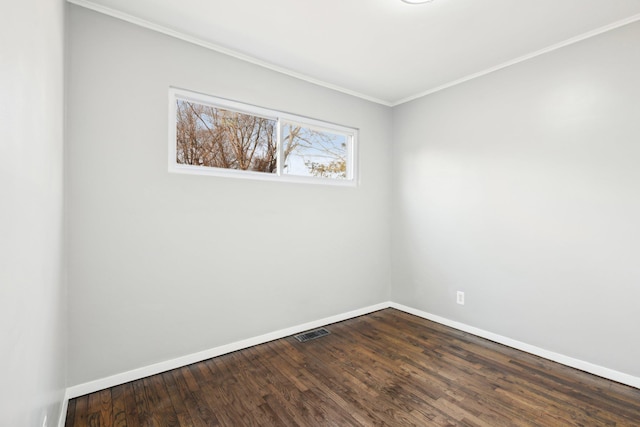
<point>163,265</point>
<point>32,298</point>
<point>521,188</point>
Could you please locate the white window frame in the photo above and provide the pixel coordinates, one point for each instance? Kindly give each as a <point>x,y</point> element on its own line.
<point>176,94</point>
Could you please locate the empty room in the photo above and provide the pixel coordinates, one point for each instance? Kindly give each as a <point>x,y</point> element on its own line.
<point>310,213</point>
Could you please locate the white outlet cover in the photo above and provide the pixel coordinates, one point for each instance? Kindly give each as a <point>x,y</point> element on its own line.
<point>460,298</point>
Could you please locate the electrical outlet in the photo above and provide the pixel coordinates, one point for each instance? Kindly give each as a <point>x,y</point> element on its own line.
<point>460,297</point>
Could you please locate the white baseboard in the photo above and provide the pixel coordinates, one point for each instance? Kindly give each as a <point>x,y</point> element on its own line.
<point>136,374</point>
<point>591,368</point>
<point>63,409</point>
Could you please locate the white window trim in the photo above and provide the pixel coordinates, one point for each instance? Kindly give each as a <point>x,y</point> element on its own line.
<point>279,116</point>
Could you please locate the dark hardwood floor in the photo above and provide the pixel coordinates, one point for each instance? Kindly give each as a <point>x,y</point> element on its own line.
<point>387,368</point>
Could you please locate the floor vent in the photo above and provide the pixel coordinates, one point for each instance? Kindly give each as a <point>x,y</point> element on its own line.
<point>312,335</point>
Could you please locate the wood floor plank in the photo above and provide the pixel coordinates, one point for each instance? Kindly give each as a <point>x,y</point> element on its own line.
<point>278,402</point>
<point>81,406</point>
<point>131,410</point>
<point>143,410</point>
<point>182,402</point>
<point>280,392</point>
<point>71,412</point>
<point>164,412</point>
<point>333,393</point>
<point>387,368</point>
<point>194,399</point>
<point>216,393</point>
<point>119,408</point>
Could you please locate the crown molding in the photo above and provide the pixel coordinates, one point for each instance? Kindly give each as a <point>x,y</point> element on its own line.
<point>220,49</point>
<point>265,64</point>
<point>522,58</point>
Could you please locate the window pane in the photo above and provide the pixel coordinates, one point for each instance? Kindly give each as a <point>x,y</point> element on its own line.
<point>310,152</point>
<point>213,137</point>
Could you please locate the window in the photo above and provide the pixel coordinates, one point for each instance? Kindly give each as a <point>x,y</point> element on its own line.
<point>215,136</point>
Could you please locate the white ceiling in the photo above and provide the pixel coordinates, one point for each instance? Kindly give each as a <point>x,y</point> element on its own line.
<point>383,50</point>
